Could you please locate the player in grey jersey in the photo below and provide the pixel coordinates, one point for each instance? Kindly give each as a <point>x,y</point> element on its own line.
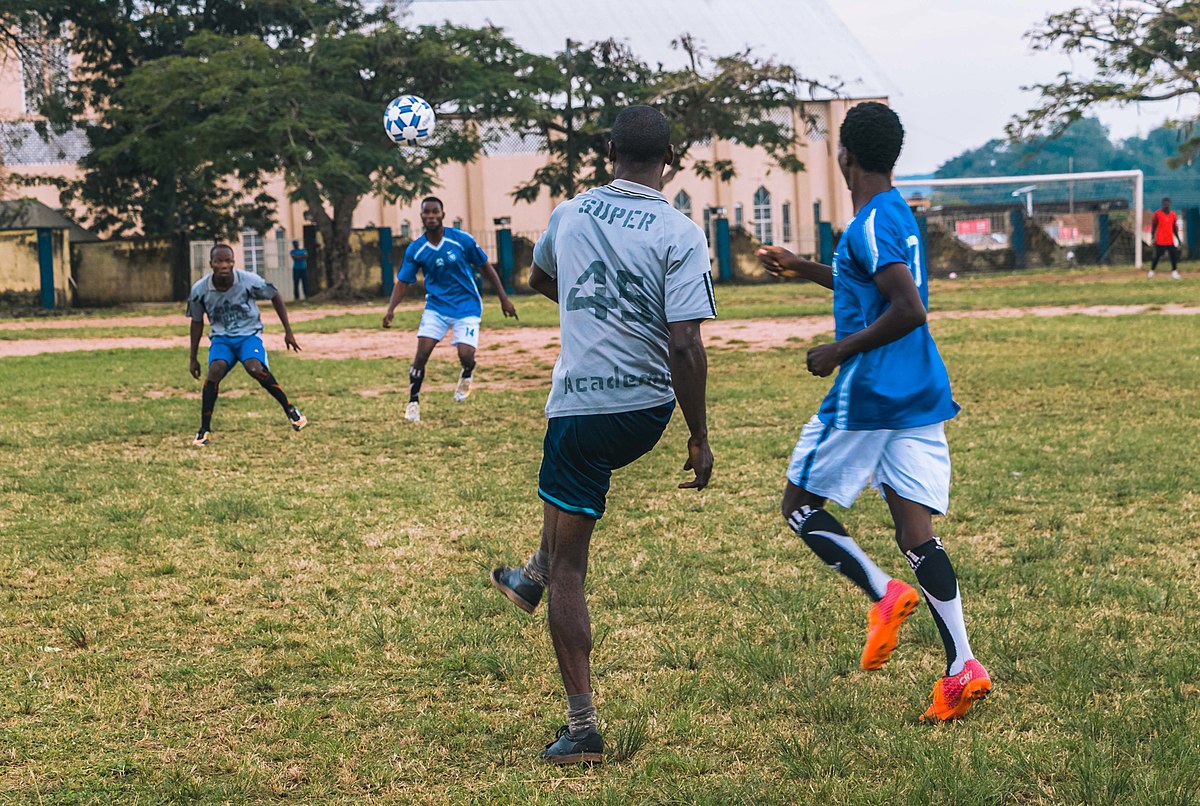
<point>631,276</point>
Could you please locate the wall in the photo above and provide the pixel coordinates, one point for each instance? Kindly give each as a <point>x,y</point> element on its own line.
<point>118,272</point>
<point>20,271</point>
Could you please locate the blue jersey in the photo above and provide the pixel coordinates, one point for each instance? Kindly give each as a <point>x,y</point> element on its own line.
<point>903,384</point>
<point>449,282</point>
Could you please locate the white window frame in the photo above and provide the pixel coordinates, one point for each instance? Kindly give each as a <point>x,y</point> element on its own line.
<point>683,203</point>
<point>763,229</point>
<point>254,252</point>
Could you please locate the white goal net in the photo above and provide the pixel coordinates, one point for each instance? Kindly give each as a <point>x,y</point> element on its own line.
<point>1015,222</point>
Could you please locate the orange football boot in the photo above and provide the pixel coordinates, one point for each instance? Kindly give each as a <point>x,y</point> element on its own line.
<point>883,623</point>
<point>952,696</point>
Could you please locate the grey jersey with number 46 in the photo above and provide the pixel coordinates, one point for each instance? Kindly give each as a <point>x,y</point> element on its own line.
<point>627,263</point>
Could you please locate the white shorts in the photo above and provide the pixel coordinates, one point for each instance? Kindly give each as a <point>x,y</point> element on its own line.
<point>434,326</point>
<point>837,464</point>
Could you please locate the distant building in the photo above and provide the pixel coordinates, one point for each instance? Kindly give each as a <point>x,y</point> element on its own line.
<point>773,205</point>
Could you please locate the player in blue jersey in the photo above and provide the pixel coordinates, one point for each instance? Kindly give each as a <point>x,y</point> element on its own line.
<point>445,256</point>
<point>882,423</point>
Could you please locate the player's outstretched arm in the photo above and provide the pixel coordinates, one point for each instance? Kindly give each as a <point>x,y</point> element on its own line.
<point>779,262</point>
<point>281,311</point>
<point>194,335</point>
<point>543,283</point>
<point>398,292</point>
<point>905,313</point>
<point>506,305</point>
<point>689,376</point>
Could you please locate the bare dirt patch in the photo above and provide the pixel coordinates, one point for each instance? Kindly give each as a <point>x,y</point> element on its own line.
<point>536,348</point>
<point>268,314</point>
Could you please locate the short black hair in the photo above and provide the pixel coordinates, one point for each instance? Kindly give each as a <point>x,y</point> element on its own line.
<point>433,199</point>
<point>217,246</point>
<point>641,135</point>
<point>1166,200</point>
<point>873,134</point>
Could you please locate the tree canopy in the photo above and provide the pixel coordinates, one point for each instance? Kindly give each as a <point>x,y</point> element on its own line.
<point>1086,146</point>
<point>739,98</point>
<point>1140,51</point>
<point>193,107</point>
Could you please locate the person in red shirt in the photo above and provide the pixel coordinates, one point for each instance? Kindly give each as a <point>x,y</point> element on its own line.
<point>1165,226</point>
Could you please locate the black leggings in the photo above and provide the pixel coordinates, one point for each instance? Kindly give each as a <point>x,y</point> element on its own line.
<point>1171,250</point>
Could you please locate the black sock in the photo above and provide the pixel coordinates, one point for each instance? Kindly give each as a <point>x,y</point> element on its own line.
<point>208,402</point>
<point>939,583</point>
<point>415,378</point>
<point>268,382</point>
<point>829,541</point>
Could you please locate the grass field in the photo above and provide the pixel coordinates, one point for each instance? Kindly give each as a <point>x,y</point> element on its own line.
<point>307,616</point>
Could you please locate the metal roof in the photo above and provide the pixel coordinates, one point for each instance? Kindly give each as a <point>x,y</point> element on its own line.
<point>21,144</point>
<point>804,33</point>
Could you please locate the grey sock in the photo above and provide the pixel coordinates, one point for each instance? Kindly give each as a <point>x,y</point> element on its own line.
<point>537,568</point>
<point>581,714</point>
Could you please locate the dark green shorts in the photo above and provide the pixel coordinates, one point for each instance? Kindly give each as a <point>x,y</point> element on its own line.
<point>581,452</point>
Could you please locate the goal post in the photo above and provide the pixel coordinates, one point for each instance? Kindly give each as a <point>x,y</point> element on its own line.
<point>1029,182</point>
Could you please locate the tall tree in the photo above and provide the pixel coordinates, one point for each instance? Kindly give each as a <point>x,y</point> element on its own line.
<point>1140,51</point>
<point>189,138</point>
<point>739,98</point>
<point>240,110</point>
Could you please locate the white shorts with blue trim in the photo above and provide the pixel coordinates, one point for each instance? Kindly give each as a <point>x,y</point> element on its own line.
<point>838,464</point>
<point>434,326</point>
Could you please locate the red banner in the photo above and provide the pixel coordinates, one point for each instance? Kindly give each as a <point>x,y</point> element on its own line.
<point>974,226</point>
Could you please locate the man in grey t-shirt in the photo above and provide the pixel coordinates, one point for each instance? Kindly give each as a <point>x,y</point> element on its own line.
<point>230,299</point>
<point>631,277</point>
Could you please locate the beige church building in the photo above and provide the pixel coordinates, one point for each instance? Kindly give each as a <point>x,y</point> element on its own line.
<point>768,202</point>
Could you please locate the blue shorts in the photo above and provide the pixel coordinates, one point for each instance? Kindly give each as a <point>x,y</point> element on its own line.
<point>581,452</point>
<point>232,349</point>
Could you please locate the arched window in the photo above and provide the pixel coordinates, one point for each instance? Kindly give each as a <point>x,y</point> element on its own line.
<point>683,203</point>
<point>762,215</point>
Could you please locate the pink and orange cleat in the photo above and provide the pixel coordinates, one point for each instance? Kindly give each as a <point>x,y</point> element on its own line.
<point>953,695</point>
<point>883,623</point>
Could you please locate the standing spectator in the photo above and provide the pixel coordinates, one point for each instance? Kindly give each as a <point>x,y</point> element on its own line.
<point>299,269</point>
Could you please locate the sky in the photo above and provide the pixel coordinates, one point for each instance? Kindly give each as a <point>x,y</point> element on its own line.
<point>957,67</point>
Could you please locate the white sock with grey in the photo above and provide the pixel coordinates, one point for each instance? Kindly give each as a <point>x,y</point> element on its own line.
<point>537,568</point>
<point>581,715</point>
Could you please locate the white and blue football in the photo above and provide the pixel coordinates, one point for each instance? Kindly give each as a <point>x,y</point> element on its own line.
<point>409,120</point>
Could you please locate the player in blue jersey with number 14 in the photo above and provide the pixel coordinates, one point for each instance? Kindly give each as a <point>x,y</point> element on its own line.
<point>882,422</point>
<point>452,303</point>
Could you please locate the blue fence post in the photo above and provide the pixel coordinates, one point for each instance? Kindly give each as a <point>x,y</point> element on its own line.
<point>1016,219</point>
<point>385,260</point>
<point>1191,222</point>
<point>724,248</point>
<point>504,252</point>
<point>825,237</point>
<point>1104,238</point>
<point>45,249</point>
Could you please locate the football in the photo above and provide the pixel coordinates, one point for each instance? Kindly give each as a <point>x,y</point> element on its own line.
<point>409,120</point>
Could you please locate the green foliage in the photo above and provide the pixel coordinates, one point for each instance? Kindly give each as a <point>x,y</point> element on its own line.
<point>211,100</point>
<point>1140,51</point>
<point>1083,146</point>
<point>740,98</point>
